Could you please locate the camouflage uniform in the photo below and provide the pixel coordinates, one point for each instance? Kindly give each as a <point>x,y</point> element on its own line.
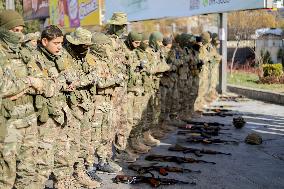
<point>119,97</point>
<point>117,27</point>
<point>102,124</point>
<point>147,107</point>
<point>81,103</point>
<point>19,142</point>
<point>204,56</point>
<point>52,113</point>
<point>172,99</point>
<point>159,66</point>
<point>214,64</point>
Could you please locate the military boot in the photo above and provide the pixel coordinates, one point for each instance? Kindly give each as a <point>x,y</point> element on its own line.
<point>166,127</point>
<point>66,183</point>
<point>158,133</point>
<point>125,156</point>
<point>92,173</point>
<point>108,166</point>
<point>137,146</point>
<point>82,178</point>
<point>149,140</point>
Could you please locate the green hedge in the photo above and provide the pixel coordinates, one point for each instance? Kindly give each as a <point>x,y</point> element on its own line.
<point>272,70</point>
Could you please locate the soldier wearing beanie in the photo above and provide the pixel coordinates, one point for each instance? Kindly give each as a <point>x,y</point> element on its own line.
<point>11,20</point>
<point>19,137</point>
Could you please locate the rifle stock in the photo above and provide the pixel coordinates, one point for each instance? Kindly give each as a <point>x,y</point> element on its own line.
<point>175,159</point>
<point>153,181</point>
<point>163,170</point>
<point>196,151</point>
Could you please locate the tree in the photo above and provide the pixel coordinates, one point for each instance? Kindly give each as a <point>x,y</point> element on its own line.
<point>242,25</point>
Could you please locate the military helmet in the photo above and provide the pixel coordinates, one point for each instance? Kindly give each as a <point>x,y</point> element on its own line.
<point>10,19</point>
<point>239,122</point>
<point>118,18</point>
<point>80,36</point>
<point>254,139</point>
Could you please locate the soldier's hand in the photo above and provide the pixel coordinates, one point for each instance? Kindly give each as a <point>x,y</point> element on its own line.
<point>15,97</point>
<point>36,83</point>
<point>73,86</point>
<point>70,88</point>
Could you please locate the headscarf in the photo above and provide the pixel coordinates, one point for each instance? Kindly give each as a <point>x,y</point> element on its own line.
<point>12,39</point>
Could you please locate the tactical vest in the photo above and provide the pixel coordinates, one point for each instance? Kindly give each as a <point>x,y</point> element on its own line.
<point>50,106</point>
<point>17,67</point>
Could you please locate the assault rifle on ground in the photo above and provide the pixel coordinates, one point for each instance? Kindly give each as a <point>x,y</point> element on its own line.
<point>203,123</point>
<point>154,182</point>
<point>162,170</point>
<point>218,110</point>
<point>206,134</point>
<point>195,151</point>
<point>175,159</point>
<point>199,127</point>
<point>220,114</point>
<point>204,140</point>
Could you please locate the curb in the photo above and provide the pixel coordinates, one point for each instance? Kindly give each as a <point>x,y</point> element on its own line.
<point>257,94</point>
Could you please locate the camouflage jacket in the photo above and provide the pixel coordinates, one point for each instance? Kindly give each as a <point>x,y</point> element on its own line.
<point>120,56</point>
<point>15,69</point>
<point>77,74</point>
<point>135,78</point>
<point>53,105</point>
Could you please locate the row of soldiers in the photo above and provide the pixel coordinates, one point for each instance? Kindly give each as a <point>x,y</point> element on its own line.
<point>69,100</point>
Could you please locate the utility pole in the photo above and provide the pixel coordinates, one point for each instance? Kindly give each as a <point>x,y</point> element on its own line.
<point>223,31</point>
<point>10,4</point>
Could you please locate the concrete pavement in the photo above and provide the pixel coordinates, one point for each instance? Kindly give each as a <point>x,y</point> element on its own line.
<point>249,166</point>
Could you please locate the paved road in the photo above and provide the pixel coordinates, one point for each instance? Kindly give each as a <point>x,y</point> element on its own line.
<point>249,167</point>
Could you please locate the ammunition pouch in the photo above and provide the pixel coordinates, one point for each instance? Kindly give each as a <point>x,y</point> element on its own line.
<point>20,108</point>
<point>41,104</point>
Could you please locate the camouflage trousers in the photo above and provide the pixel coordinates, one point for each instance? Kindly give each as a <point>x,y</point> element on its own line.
<point>169,100</point>
<point>103,133</point>
<point>86,154</point>
<point>155,102</point>
<point>67,146</point>
<point>18,153</point>
<point>192,94</point>
<point>203,86</point>
<point>48,134</point>
<point>165,95</point>
<point>2,131</point>
<point>148,111</point>
<point>173,104</point>
<point>138,114</point>
<point>183,98</point>
<point>119,100</point>
<point>213,82</point>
